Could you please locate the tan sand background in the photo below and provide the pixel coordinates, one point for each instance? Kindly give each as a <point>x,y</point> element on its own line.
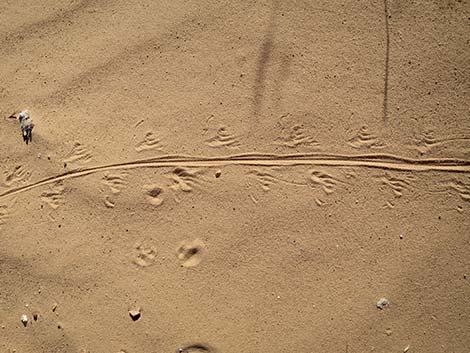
<point>277,255</point>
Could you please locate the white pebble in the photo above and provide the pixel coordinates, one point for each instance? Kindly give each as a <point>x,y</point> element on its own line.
<point>382,303</point>
<point>24,319</point>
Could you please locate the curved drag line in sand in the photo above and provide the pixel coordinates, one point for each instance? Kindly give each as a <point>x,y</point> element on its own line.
<point>379,161</point>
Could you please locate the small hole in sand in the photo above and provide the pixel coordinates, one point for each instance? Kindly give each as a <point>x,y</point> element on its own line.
<point>193,251</point>
<point>154,192</point>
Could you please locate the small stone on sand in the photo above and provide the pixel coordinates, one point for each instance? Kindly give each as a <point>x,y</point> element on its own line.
<point>382,303</point>
<point>135,313</point>
<point>24,320</point>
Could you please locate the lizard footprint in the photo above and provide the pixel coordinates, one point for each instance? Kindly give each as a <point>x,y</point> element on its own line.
<point>149,142</point>
<point>185,179</point>
<point>19,174</point>
<point>54,197</point>
<point>146,255</point>
<point>366,139</point>
<point>116,182</point>
<point>78,154</point>
<point>6,211</point>
<point>224,138</point>
<point>323,180</point>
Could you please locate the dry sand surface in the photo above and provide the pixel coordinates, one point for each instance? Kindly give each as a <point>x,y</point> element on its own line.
<point>239,176</point>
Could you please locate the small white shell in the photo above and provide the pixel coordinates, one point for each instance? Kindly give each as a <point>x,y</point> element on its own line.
<point>24,319</point>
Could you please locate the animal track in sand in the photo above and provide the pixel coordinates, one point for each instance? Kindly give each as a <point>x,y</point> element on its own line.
<point>109,202</point>
<point>296,136</point>
<point>428,141</point>
<point>54,197</point>
<point>149,142</point>
<point>316,179</point>
<point>295,130</point>
<point>196,348</point>
<point>190,253</point>
<point>6,210</point>
<point>78,154</point>
<point>267,178</point>
<point>153,194</point>
<point>460,187</point>
<point>425,142</point>
<point>224,138</point>
<point>366,139</point>
<point>323,180</point>
<point>17,175</point>
<point>116,182</point>
<point>185,179</point>
<point>185,163</point>
<point>146,255</point>
<point>396,183</point>
<point>349,173</point>
<point>264,178</point>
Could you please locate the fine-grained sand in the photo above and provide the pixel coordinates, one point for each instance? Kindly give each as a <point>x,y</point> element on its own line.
<point>235,176</point>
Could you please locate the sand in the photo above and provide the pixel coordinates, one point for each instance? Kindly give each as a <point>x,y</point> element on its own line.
<point>240,176</point>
